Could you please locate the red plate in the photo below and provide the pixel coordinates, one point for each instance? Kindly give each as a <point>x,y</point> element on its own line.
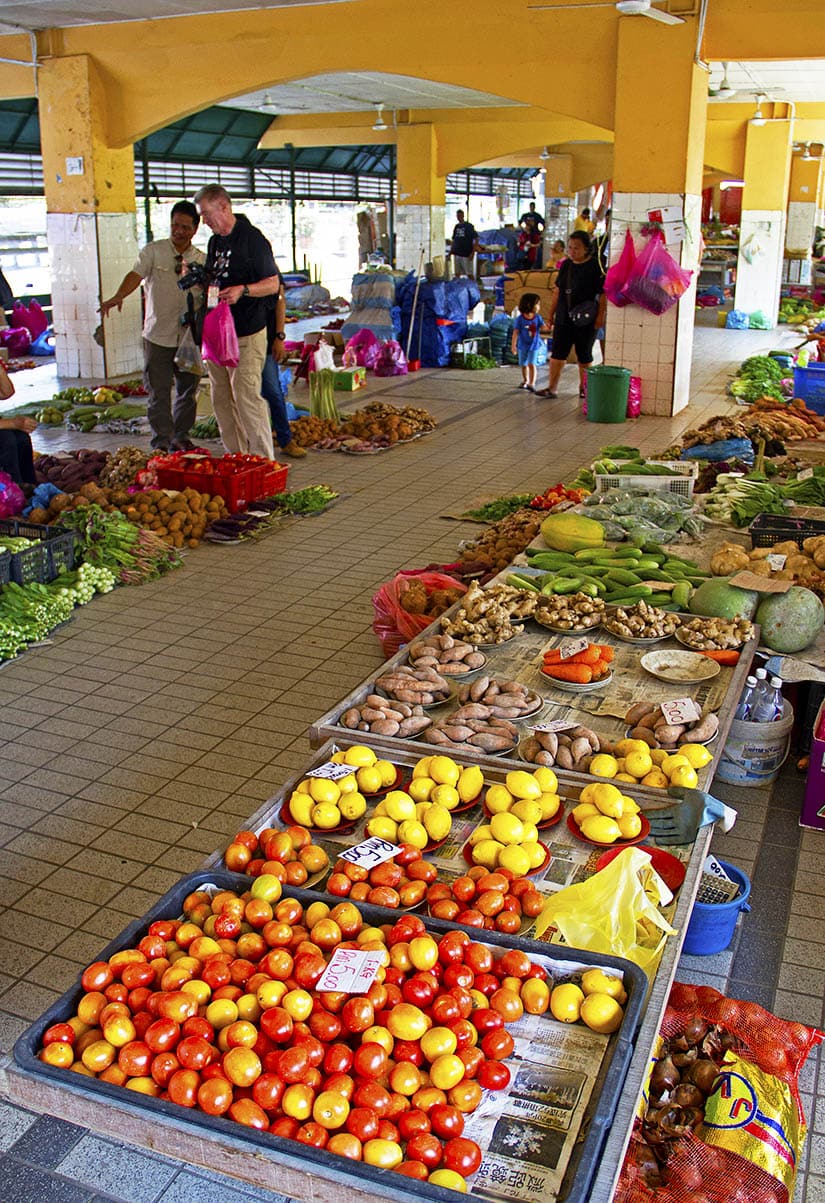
<point>433,844</point>
<point>574,829</point>
<point>669,867</point>
<point>543,826</point>
<point>466,853</point>
<point>462,806</point>
<point>286,817</point>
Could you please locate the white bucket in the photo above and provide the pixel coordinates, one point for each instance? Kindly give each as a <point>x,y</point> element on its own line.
<point>755,752</point>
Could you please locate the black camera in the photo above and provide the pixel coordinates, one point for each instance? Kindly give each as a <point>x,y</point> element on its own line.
<point>198,274</point>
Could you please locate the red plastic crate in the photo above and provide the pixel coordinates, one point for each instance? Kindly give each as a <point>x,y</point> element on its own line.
<point>274,480</point>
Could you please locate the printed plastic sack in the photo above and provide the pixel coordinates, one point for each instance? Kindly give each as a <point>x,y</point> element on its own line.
<point>619,273</point>
<point>366,347</point>
<point>17,340</point>
<point>391,360</point>
<point>12,500</point>
<point>220,341</point>
<point>656,281</point>
<point>392,623</point>
<point>613,911</point>
<point>188,357</point>
<point>759,321</point>
<point>737,319</point>
<point>749,1146</point>
<point>634,397</point>
<point>31,316</point>
<point>323,357</point>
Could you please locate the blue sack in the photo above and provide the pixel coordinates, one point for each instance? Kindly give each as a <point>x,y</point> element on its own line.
<point>737,319</point>
<point>723,449</point>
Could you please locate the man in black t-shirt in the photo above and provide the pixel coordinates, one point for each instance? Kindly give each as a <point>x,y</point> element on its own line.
<point>463,245</point>
<point>241,261</point>
<point>532,217</point>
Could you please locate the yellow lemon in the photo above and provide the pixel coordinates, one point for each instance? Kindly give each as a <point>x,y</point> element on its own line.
<point>444,770</point>
<point>484,832</point>
<point>629,807</point>
<point>522,784</point>
<point>629,826</point>
<point>516,859</point>
<point>498,799</point>
<point>486,853</point>
<point>528,811</point>
<point>621,765</point>
<point>601,828</point>
<point>507,829</point>
<point>566,1002</point>
<point>625,746</point>
<point>470,783</point>
<point>671,762</point>
<point>437,822</point>
<point>383,827</point>
<point>535,852</point>
<point>348,785</point>
<point>413,832</point>
<point>380,811</point>
<point>697,755</point>
<point>608,800</point>
<point>585,795</point>
<point>388,772</point>
<point>583,811</point>
<point>626,777</point>
<point>352,806</point>
<point>303,786</point>
<point>549,804</point>
<point>359,755</point>
<point>399,805</point>
<point>325,815</point>
<point>601,1013</point>
<point>421,809</point>
<point>655,778</point>
<point>603,765</point>
<point>684,776</point>
<point>422,768</point>
<point>638,763</point>
<point>300,807</point>
<point>369,778</point>
<point>658,756</point>
<point>547,779</point>
<point>446,796</point>
<point>420,788</point>
<point>596,981</point>
<point>529,833</point>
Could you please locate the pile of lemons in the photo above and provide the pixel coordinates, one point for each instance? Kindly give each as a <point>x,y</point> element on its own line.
<point>323,803</point>
<point>605,814</point>
<point>510,839</point>
<point>597,1002</point>
<point>420,815</point>
<point>635,762</point>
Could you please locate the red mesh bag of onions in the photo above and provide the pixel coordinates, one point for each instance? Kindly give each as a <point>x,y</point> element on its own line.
<point>721,1119</point>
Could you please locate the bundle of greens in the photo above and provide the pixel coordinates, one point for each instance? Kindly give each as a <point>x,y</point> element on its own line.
<point>500,508</point>
<point>322,395</point>
<point>310,500</point>
<point>759,376</point>
<point>28,613</point>
<point>206,428</point>
<point>111,541</point>
<point>737,500</point>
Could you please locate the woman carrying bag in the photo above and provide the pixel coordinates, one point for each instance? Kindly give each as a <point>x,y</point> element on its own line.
<point>578,306</point>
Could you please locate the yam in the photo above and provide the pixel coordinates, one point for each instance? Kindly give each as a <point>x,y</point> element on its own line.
<point>385,726</point>
<point>350,718</point>
<point>637,711</point>
<point>564,758</point>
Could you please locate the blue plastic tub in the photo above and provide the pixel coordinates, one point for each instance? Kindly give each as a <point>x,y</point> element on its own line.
<point>712,924</point>
<point>809,386</point>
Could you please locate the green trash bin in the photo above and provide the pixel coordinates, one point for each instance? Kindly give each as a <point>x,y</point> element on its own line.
<point>607,390</point>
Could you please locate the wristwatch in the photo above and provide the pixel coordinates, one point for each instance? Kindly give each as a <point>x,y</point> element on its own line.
<point>281,337</point>
<point>245,292</point>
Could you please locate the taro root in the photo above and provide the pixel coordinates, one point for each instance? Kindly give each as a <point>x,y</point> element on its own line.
<point>703,1073</point>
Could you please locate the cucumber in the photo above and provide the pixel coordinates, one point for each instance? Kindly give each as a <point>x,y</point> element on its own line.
<point>622,576</point>
<point>681,594</point>
<point>586,554</point>
<point>567,584</point>
<point>658,599</point>
<point>522,582</point>
<point>628,596</point>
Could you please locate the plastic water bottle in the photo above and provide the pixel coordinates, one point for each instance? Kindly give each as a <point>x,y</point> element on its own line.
<point>762,689</point>
<point>744,709</point>
<point>769,707</point>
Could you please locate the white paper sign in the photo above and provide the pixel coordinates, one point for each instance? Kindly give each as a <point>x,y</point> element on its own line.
<point>332,771</point>
<point>370,852</point>
<point>805,474</point>
<point>712,865</point>
<point>572,647</point>
<point>558,724</point>
<point>350,971</point>
<point>681,710</point>
<point>776,561</point>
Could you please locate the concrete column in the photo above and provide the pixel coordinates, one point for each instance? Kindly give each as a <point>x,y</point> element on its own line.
<point>768,151</point>
<point>421,212</point>
<point>90,224</point>
<point>559,203</point>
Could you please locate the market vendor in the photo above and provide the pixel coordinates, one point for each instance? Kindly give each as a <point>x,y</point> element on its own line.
<point>16,456</point>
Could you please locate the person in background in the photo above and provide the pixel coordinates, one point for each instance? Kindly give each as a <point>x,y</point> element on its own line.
<point>241,262</point>
<point>532,217</point>
<point>529,243</point>
<point>271,388</point>
<point>158,268</point>
<point>16,456</point>
<point>584,223</point>
<point>579,282</point>
<point>526,339</point>
<point>463,246</point>
<point>557,253</point>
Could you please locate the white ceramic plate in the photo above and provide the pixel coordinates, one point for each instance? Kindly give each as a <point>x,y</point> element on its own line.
<point>679,668</point>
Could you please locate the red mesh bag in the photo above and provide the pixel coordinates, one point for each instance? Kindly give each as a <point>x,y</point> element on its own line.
<point>392,623</point>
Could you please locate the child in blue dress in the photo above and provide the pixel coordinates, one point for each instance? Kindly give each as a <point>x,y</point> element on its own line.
<point>527,338</point>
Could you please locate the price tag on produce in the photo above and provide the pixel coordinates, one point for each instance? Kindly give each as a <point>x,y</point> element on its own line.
<point>805,474</point>
<point>572,647</point>
<point>558,724</point>
<point>776,561</point>
<point>350,971</point>
<point>332,771</point>
<point>370,852</point>
<point>682,710</point>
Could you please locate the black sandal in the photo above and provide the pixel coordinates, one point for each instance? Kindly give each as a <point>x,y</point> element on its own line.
<point>546,392</point>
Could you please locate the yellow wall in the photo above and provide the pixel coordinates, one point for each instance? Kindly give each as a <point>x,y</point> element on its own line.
<point>767,166</point>
<point>805,175</point>
<point>419,182</point>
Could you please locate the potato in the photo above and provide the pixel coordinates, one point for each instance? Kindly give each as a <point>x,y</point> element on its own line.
<point>385,726</point>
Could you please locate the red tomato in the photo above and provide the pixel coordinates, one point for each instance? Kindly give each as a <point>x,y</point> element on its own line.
<point>97,976</point>
<point>370,1094</point>
<point>277,1024</point>
<point>458,974</point>
<point>162,1067</point>
<point>493,1075</point>
<point>498,1044</point>
<point>426,1148</point>
<point>337,1058</point>
<point>413,1120</point>
<point>135,1059</point>
<point>357,1014</point>
<point>413,1169</point>
<point>248,1113</point>
<point>63,1033</point>
<point>466,1096</point>
<point>293,1063</point>
<point>462,1155</point>
<point>446,1009</point>
<point>451,947</point>
<point>194,1052</point>
<point>267,1091</point>
<point>342,1084</point>
<point>363,1123</point>
<point>487,1020</point>
<point>325,1026</point>
<point>371,1060</point>
<point>408,1050</point>
<point>472,1058</point>
<point>183,1087</point>
<point>215,1096</point>
<point>162,1035</point>
<point>446,1121</point>
<point>284,1125</point>
<point>312,1134</point>
<point>345,1145</point>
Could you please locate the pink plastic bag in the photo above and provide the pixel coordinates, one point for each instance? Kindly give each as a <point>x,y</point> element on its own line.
<point>391,360</point>
<point>17,340</point>
<point>366,347</point>
<point>392,623</point>
<point>656,280</point>
<point>634,397</point>
<point>220,341</point>
<point>31,316</point>
<point>12,500</point>
<point>618,273</point>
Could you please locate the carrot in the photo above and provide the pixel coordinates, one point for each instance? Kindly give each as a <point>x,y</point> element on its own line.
<point>601,669</point>
<point>722,657</point>
<point>607,652</point>
<point>581,674</point>
<point>590,655</point>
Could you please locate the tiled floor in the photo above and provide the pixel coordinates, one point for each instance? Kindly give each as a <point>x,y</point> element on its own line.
<point>162,716</point>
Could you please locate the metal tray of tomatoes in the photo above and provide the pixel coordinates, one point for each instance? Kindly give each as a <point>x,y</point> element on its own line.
<point>360,1178</point>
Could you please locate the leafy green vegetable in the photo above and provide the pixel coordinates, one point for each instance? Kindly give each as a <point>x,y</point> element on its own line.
<point>500,508</point>
<point>310,500</point>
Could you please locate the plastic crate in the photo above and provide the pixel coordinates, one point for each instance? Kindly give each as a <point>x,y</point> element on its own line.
<point>274,479</point>
<point>684,467</point>
<point>199,1129</point>
<point>683,485</point>
<point>54,553</point>
<point>5,567</point>
<point>481,345</point>
<point>768,529</point>
<point>809,386</point>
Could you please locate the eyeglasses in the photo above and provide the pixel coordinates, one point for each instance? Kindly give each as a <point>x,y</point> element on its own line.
<point>178,264</point>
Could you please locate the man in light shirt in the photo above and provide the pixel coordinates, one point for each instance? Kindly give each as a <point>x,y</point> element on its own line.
<point>159,267</point>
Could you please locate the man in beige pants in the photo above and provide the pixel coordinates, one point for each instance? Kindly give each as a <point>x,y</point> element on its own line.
<point>242,265</point>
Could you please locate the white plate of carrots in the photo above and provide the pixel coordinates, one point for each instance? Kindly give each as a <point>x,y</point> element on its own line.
<point>587,670</point>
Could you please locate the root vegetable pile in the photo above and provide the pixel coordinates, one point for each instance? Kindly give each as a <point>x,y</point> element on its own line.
<point>450,657</point>
<point>382,717</point>
<point>502,542</point>
<point>486,615</point>
<point>68,472</point>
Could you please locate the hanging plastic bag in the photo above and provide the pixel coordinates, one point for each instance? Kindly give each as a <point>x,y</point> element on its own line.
<point>17,340</point>
<point>31,316</point>
<point>752,249</point>
<point>188,357</point>
<point>634,397</point>
<point>323,357</point>
<point>44,343</point>
<point>220,341</point>
<point>737,319</point>
<point>391,361</point>
<point>366,347</point>
<point>619,273</point>
<point>613,911</point>
<point>656,281</point>
<point>395,625</point>
<point>12,500</point>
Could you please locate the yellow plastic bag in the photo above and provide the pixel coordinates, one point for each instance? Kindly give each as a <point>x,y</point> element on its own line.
<point>613,912</point>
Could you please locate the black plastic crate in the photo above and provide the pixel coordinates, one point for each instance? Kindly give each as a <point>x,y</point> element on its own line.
<point>5,567</point>
<point>54,554</point>
<point>769,529</point>
<point>596,1122</point>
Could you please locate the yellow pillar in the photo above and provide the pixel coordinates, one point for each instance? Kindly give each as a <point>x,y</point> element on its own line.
<point>657,163</point>
<point>768,151</point>
<point>805,185</point>
<point>559,200</point>
<point>420,217</point>
<point>90,203</point>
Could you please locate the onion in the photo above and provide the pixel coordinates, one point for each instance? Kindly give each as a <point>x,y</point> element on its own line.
<point>664,1076</point>
<point>687,1095</point>
<point>703,1073</point>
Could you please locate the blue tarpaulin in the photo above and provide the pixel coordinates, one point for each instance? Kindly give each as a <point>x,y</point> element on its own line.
<point>441,301</point>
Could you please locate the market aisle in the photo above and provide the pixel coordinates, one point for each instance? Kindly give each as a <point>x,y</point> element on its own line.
<point>163,716</point>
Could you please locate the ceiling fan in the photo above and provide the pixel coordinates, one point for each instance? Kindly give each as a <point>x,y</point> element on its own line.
<point>626,8</point>
<point>724,91</point>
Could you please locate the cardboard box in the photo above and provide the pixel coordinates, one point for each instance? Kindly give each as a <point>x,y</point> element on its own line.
<point>813,805</point>
<point>334,337</point>
<point>539,282</point>
<point>350,379</point>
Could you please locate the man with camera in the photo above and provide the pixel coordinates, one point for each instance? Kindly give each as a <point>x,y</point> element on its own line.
<point>243,273</point>
<point>159,267</point>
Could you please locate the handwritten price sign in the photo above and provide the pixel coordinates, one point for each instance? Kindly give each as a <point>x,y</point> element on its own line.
<point>682,710</point>
<point>558,724</point>
<point>350,971</point>
<point>332,771</point>
<point>370,852</point>
<point>572,647</point>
